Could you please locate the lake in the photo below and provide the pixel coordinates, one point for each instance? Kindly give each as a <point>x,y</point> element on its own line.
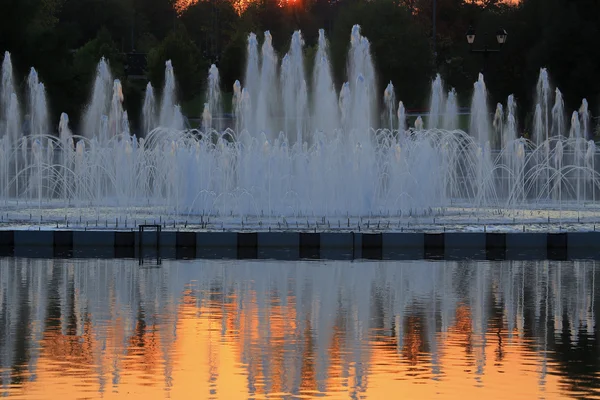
<point>238,329</point>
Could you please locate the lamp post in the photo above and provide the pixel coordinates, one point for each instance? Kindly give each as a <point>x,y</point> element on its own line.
<point>434,33</point>
<point>501,36</point>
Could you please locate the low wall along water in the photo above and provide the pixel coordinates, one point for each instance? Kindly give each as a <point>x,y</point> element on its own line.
<point>295,245</point>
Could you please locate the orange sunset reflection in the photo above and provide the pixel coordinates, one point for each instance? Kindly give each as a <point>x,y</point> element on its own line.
<point>202,361</point>
<point>271,331</point>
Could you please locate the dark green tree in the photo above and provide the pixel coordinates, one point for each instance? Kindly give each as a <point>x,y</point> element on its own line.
<point>399,45</point>
<point>84,18</point>
<point>211,25</point>
<point>189,65</point>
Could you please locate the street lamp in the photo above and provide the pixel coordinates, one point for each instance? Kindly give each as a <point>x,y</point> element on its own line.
<point>470,35</point>
<point>501,36</point>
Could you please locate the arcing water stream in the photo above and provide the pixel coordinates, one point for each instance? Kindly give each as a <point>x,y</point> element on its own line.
<point>299,151</point>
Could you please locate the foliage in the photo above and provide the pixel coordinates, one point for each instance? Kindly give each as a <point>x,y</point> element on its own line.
<point>401,49</point>
<point>64,39</point>
<point>190,67</point>
<point>211,25</point>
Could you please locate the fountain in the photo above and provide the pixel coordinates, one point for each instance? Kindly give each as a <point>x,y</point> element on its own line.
<point>149,121</point>
<point>437,104</point>
<point>298,152</point>
<point>99,103</point>
<point>389,100</point>
<point>170,115</point>
<point>325,110</point>
<point>293,85</point>
<point>450,118</point>
<point>213,99</point>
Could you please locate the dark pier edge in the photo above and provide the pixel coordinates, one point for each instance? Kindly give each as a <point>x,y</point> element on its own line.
<point>302,245</point>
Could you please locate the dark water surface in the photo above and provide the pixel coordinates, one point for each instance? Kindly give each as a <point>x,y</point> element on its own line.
<point>297,329</point>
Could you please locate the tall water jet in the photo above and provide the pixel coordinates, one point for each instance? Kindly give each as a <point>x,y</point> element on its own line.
<point>558,161</point>
<point>149,121</point>
<point>510,126</point>
<point>575,130</point>
<point>579,147</point>
<point>419,125</point>
<point>450,119</point>
<point>510,132</point>
<point>115,116</point>
<point>9,138</point>
<point>13,121</point>
<point>590,160</point>
<point>517,182</point>
<point>168,117</point>
<point>293,85</point>
<point>511,105</point>
<point>344,105</point>
<point>178,118</point>
<point>236,105</point>
<point>343,173</point>
<point>543,92</point>
<point>540,138</point>
<point>359,58</point>
<point>498,124</point>
<point>64,132</point>
<point>245,109</point>
<point>9,106</point>
<point>514,151</point>
<point>480,124</point>
<point>481,130</point>
<point>361,74</point>
<point>301,112</point>
<point>389,102</point>
<point>125,128</point>
<point>66,140</point>
<point>206,119</point>
<point>7,87</point>
<point>558,115</point>
<point>584,114</point>
<point>360,111</point>
<point>214,96</point>
<point>100,102</point>
<point>37,107</point>
<point>252,78</point>
<point>437,103</point>
<point>325,112</point>
<point>401,118</point>
<point>265,106</point>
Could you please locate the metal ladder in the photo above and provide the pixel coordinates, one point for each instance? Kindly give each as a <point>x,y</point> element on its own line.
<point>142,228</point>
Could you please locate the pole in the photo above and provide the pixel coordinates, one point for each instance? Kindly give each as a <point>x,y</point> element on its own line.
<point>434,31</point>
<point>486,54</point>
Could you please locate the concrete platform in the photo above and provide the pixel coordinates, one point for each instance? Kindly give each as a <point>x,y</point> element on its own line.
<point>305,245</point>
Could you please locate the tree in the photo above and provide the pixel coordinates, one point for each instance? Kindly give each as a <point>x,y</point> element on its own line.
<point>233,61</point>
<point>211,25</point>
<point>189,65</point>
<point>84,65</point>
<point>157,17</point>
<point>399,45</point>
<point>84,18</point>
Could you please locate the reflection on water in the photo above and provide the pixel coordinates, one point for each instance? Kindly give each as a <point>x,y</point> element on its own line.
<point>239,329</point>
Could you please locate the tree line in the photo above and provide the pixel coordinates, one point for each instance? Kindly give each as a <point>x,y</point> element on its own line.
<point>64,39</point>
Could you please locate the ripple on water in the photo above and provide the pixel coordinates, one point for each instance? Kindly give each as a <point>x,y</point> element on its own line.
<point>236,329</point>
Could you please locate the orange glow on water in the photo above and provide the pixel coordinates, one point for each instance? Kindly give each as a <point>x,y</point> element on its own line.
<point>203,360</point>
<point>268,330</point>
